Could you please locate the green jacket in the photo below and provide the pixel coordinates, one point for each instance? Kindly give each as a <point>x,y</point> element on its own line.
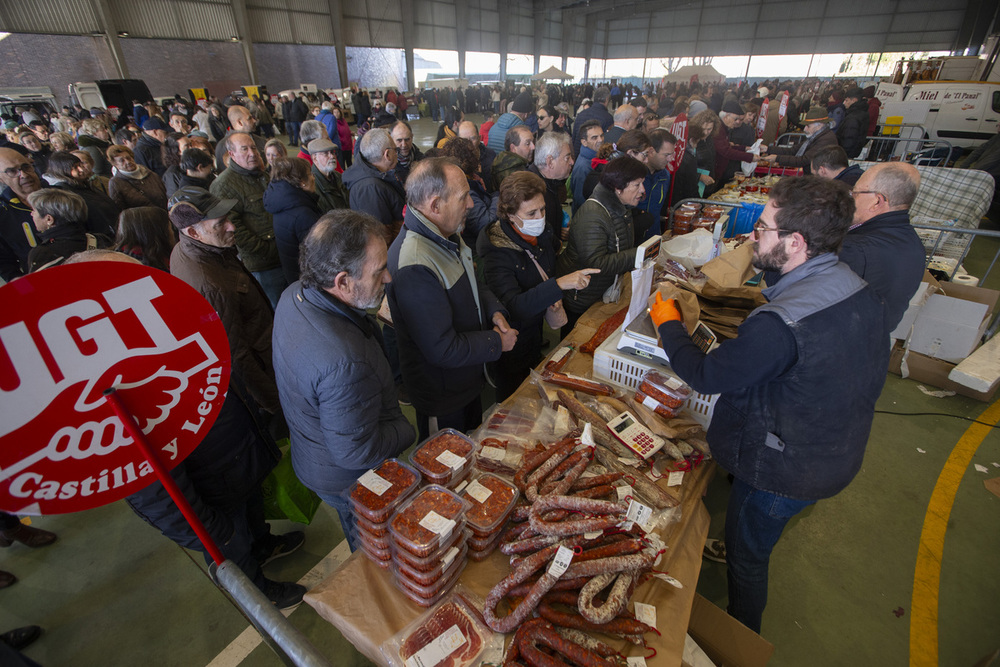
<point>330,190</point>
<point>254,226</point>
<point>505,165</point>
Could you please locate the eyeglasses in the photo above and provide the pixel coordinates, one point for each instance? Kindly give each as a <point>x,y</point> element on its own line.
<point>544,117</point>
<point>854,193</point>
<point>760,227</point>
<point>24,168</point>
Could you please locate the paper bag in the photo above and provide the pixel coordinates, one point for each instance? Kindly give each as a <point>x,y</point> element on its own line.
<point>687,302</point>
<point>731,269</point>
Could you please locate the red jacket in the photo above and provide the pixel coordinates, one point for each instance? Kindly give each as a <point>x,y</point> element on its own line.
<point>874,104</point>
<point>725,153</point>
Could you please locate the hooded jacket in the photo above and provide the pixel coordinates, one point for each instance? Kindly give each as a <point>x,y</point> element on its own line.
<point>147,153</point>
<point>294,212</point>
<point>504,165</point>
<point>498,132</point>
<point>854,129</point>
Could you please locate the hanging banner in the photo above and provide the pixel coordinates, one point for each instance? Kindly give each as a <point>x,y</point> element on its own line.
<point>782,108</point>
<point>762,117</point>
<point>68,334</point>
<point>680,130</point>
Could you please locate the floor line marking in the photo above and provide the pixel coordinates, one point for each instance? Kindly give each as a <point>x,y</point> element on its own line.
<point>927,573</point>
<point>249,639</point>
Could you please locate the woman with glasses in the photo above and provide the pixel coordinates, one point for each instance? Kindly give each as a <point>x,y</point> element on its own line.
<point>546,116</point>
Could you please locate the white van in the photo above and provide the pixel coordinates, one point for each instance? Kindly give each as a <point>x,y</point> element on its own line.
<point>964,113</point>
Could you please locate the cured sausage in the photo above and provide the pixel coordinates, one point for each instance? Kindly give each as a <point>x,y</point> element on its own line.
<point>607,328</point>
<point>525,569</point>
<point>659,498</point>
<point>577,383</point>
<point>608,515</point>
<point>559,359</point>
<point>596,480</point>
<point>626,628</point>
<point>631,563</point>
<point>596,492</point>
<point>543,634</point>
<point>615,602</point>
<point>600,427</point>
<point>600,648</point>
<point>528,545</point>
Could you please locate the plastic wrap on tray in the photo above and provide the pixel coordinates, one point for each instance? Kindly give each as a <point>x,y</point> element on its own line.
<point>450,634</point>
<point>441,569</point>
<point>480,549</point>
<point>500,455</point>
<point>427,520</point>
<point>492,500</point>
<point>443,457</point>
<point>425,596</point>
<point>655,405</point>
<point>381,557</point>
<point>377,493</point>
<point>379,542</point>
<point>377,529</point>
<point>429,562</point>
<point>666,389</point>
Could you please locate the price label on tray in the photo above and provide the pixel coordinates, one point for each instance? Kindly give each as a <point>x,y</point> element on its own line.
<point>587,437</point>
<point>638,513</point>
<point>634,661</point>
<point>670,580</point>
<point>479,492</point>
<point>450,459</point>
<point>493,453</point>
<point>377,485</point>
<point>449,556</point>
<point>437,650</point>
<point>564,556</point>
<point>646,613</point>
<point>436,523</point>
<point>650,403</point>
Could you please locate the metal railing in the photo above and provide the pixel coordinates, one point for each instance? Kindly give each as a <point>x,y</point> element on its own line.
<point>946,235</point>
<point>916,149</point>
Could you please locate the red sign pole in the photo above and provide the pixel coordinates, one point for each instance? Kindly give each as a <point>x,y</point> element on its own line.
<point>128,421</point>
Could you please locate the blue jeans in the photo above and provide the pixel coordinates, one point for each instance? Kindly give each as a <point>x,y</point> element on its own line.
<point>346,516</point>
<point>755,520</point>
<point>293,132</point>
<point>273,282</point>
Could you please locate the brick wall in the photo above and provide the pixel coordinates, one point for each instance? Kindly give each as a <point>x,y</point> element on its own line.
<point>173,66</point>
<point>284,66</point>
<point>54,61</point>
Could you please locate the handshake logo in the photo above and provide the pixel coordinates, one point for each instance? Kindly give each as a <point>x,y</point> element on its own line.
<point>60,442</point>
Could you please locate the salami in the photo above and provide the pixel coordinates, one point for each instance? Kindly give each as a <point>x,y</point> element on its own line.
<point>607,328</point>
<point>577,383</point>
<point>600,427</point>
<point>543,634</point>
<point>626,628</point>
<point>559,359</point>
<point>615,602</point>
<point>648,489</point>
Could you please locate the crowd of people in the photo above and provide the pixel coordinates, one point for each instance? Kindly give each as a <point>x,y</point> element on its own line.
<point>469,244</point>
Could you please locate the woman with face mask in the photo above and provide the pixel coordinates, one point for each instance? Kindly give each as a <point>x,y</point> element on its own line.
<point>519,256</point>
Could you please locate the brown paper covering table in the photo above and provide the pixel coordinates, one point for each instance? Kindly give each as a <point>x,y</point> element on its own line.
<point>362,602</point>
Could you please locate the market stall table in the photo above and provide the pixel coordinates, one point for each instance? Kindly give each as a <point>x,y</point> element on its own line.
<point>361,601</point>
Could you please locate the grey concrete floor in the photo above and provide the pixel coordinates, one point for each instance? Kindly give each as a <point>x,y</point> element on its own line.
<point>112,591</point>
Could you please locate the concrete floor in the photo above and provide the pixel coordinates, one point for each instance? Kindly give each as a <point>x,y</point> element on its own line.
<point>112,591</point>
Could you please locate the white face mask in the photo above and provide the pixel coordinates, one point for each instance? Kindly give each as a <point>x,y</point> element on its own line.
<point>532,227</point>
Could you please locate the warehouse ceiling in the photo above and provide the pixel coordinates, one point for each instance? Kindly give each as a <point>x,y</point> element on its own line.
<point>572,28</point>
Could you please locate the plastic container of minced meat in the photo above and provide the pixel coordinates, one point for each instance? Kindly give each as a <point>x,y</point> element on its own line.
<point>444,457</point>
<point>430,577</point>
<point>477,554</point>
<point>381,557</point>
<point>425,596</point>
<point>375,529</point>
<point>665,389</point>
<point>429,562</point>
<point>379,491</point>
<point>382,543</point>
<point>492,500</point>
<point>427,520</point>
<point>655,405</point>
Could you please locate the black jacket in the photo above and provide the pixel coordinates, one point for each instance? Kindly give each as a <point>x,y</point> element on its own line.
<point>555,197</point>
<point>61,241</point>
<point>377,193</point>
<point>17,235</point>
<point>148,154</point>
<point>854,129</point>
<point>686,179</point>
<point>102,211</point>
<point>601,236</point>
<point>295,212</point>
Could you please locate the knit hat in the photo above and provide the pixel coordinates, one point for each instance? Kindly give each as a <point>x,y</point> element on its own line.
<point>154,123</point>
<point>191,205</point>
<point>816,115</point>
<point>523,103</point>
<point>854,92</point>
<point>733,107</point>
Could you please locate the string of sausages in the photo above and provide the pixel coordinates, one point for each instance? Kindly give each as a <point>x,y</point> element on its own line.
<point>592,594</point>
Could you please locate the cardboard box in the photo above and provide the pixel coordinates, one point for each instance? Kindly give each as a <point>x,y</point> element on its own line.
<point>727,642</point>
<point>933,372</point>
<point>927,287</point>
<point>951,323</point>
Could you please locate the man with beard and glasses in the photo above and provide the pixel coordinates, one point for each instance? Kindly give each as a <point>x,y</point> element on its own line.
<point>798,385</point>
<point>329,359</point>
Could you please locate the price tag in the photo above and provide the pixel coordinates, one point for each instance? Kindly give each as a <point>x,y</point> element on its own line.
<point>437,524</point>
<point>377,485</point>
<point>646,613</point>
<point>479,492</point>
<point>493,453</point>
<point>564,556</point>
<point>674,383</point>
<point>651,403</point>
<point>437,650</point>
<point>624,491</point>
<point>449,556</point>
<point>635,661</point>
<point>675,478</point>
<point>670,580</point>
<point>592,536</point>
<point>629,461</point>
<point>451,459</point>
<point>458,489</point>
<point>638,513</point>
<point>587,437</point>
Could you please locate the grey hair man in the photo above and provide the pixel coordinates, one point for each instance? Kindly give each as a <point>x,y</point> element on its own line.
<point>447,326</point>
<point>554,163</point>
<point>372,184</point>
<point>519,148</point>
<point>626,117</point>
<point>329,184</point>
<point>333,378</point>
<point>310,131</point>
<point>407,154</point>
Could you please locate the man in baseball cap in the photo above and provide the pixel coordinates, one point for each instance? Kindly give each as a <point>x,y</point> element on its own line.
<point>150,145</point>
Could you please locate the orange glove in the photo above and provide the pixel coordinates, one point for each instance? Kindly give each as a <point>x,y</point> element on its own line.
<point>664,311</point>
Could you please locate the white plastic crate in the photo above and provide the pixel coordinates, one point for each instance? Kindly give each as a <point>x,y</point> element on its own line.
<point>626,371</point>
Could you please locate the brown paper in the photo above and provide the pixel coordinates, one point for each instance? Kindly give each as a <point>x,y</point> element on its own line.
<point>731,269</point>
<point>687,302</point>
<point>993,485</point>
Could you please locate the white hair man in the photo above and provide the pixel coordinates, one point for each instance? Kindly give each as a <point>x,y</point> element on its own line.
<point>372,183</point>
<point>626,118</point>
<point>554,163</point>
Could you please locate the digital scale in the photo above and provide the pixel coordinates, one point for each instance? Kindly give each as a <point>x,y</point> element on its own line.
<point>639,339</point>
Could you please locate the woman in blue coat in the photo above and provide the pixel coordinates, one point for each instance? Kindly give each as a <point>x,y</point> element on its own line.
<point>290,198</point>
